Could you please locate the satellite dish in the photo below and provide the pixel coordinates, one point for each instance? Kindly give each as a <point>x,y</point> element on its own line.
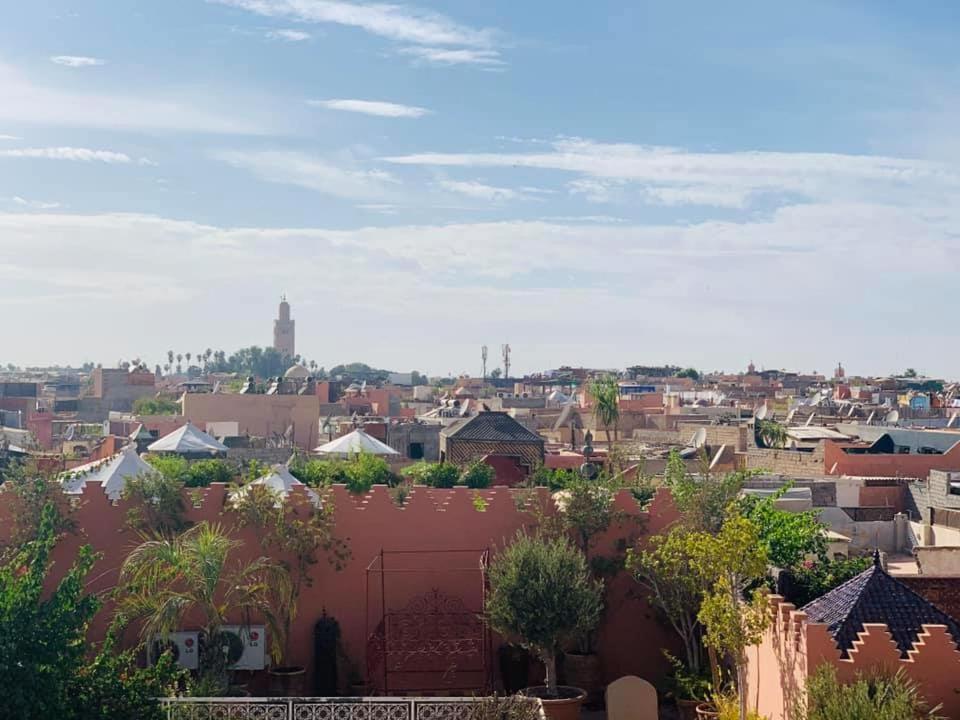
<point>892,417</point>
<point>699,438</point>
<point>816,399</point>
<point>761,413</point>
<point>809,421</point>
<point>564,417</point>
<point>850,411</point>
<point>870,419</point>
<point>790,415</point>
<point>953,419</point>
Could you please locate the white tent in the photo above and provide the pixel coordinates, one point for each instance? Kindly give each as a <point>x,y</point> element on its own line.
<point>355,443</point>
<point>281,481</point>
<point>188,440</point>
<point>111,473</point>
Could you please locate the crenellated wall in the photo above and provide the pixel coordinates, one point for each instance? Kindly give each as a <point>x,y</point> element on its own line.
<point>630,639</point>
<point>793,649</point>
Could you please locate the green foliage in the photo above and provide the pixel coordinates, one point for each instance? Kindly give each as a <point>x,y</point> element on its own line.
<point>318,473</point>
<point>870,697</point>
<point>438,475</point>
<point>555,479</point>
<point>358,372</point>
<point>43,669</point>
<point>683,684</point>
<point>691,373</point>
<point>365,470</point>
<point>810,581</point>
<point>542,594</point>
<point>254,360</point>
<point>606,403</point>
<point>477,475</point>
<point>29,492</point>
<point>156,503</point>
<point>507,707</point>
<point>496,374</point>
<point>155,406</point>
<point>772,433</point>
<point>702,499</point>
<point>788,537</point>
<point>198,473</point>
<point>162,582</point>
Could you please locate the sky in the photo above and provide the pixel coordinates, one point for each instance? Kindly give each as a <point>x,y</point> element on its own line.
<point>600,184</point>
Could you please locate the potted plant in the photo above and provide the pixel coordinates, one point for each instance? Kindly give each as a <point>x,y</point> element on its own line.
<point>297,531</point>
<point>542,595</point>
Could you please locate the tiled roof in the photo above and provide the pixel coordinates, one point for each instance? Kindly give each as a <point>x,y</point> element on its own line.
<point>873,596</point>
<point>491,427</point>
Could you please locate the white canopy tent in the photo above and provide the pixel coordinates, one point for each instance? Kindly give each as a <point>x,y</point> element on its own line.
<point>355,443</point>
<point>281,481</point>
<point>110,473</point>
<point>188,440</point>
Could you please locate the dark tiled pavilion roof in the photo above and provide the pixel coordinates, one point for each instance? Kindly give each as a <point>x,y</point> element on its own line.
<point>491,427</point>
<point>873,596</point>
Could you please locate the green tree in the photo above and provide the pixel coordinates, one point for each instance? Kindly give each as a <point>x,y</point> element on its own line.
<point>689,373</point>
<point>438,475</point>
<point>365,470</point>
<point>542,594</point>
<point>195,574</point>
<point>910,373</point>
<point>606,404</point>
<point>155,406</point>
<point>318,473</point>
<point>156,503</point>
<point>787,537</point>
<point>772,433</point>
<point>477,475</point>
<point>705,498</point>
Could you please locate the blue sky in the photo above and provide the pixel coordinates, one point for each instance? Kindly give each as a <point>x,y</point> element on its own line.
<point>601,184</point>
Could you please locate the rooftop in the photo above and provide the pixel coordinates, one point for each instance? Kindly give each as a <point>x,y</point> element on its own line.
<point>490,427</point>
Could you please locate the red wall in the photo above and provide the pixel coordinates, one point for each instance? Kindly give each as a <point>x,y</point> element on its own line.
<point>630,639</point>
<point>886,465</point>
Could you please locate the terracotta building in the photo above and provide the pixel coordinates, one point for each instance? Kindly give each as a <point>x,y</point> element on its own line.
<point>283,330</point>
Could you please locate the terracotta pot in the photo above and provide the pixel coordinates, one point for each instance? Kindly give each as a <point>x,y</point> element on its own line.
<point>565,707</point>
<point>706,711</point>
<point>287,681</point>
<point>583,670</point>
<point>687,709</point>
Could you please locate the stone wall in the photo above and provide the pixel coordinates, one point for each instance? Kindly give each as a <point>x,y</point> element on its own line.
<point>823,492</point>
<point>944,592</point>
<point>792,463</point>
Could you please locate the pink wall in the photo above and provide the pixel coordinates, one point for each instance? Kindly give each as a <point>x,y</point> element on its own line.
<point>883,497</point>
<point>886,465</point>
<point>792,650</point>
<point>630,639</point>
<point>259,415</point>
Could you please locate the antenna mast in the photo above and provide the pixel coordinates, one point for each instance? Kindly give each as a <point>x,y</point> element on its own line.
<point>505,349</point>
<point>483,354</point>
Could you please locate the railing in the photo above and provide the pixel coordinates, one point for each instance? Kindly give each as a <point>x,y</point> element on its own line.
<point>357,708</point>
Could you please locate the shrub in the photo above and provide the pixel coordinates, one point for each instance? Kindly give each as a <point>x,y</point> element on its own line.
<point>366,470</point>
<point>155,406</point>
<point>437,475</point>
<point>478,475</point>
<point>873,697</point>
<point>808,582</point>
<point>541,593</point>
<point>319,473</point>
<point>203,472</point>
<point>508,707</point>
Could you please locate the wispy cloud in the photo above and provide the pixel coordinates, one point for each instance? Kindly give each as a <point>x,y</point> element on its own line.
<point>33,204</point>
<point>478,190</point>
<point>27,102</point>
<point>288,35</point>
<point>439,38</point>
<point>372,107</point>
<point>76,61</point>
<point>68,153</point>
<point>344,178</point>
<point>455,56</point>
<point>9,137</point>
<point>674,176</point>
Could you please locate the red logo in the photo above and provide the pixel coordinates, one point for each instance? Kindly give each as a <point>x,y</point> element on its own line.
<point>254,635</point>
<point>188,642</point>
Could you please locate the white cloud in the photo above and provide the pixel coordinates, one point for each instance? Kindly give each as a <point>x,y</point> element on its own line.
<point>673,176</point>
<point>658,280</point>
<point>288,35</point>
<point>343,177</point>
<point>372,107</point>
<point>395,22</point>
<point>33,204</point>
<point>23,101</point>
<point>478,190</point>
<point>76,61</point>
<point>68,153</point>
<point>455,56</point>
<point>9,137</point>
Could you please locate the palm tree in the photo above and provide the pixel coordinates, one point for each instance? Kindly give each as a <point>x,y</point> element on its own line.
<point>188,356</point>
<point>606,407</point>
<point>170,356</point>
<point>166,580</point>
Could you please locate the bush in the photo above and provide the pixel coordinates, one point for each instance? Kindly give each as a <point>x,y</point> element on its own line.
<point>366,470</point>
<point>437,475</point>
<point>808,582</point>
<point>478,475</point>
<point>319,473</point>
<point>542,594</point>
<point>874,697</point>
<point>192,474</point>
<point>508,707</point>
<point>559,479</point>
<point>155,406</point>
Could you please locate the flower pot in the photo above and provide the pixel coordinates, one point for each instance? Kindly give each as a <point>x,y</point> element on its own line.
<point>287,681</point>
<point>583,670</point>
<point>707,711</point>
<point>565,706</point>
<point>687,709</point>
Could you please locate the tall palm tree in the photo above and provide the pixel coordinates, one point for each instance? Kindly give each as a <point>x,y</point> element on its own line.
<point>170,356</point>
<point>606,407</point>
<point>166,580</point>
<point>188,356</point>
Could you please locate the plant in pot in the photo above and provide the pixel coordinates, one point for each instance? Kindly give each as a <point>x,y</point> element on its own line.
<point>298,528</point>
<point>165,581</point>
<point>543,595</point>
